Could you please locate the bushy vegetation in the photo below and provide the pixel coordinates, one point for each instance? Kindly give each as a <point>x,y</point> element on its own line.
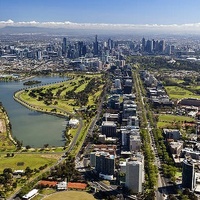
<point>151,171</point>
<point>149,62</point>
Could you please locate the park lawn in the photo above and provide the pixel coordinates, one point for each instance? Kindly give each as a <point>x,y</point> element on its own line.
<point>68,88</point>
<point>164,125</point>
<point>92,98</point>
<point>67,105</point>
<point>178,80</point>
<point>81,138</point>
<point>81,87</point>
<point>44,192</point>
<point>176,92</point>
<point>169,121</point>
<point>5,143</point>
<point>194,87</point>
<point>175,118</point>
<point>70,195</point>
<point>47,191</point>
<point>63,104</point>
<point>30,160</point>
<point>73,131</point>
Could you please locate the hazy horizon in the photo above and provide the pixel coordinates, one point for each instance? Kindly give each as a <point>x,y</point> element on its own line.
<point>123,28</point>
<point>163,16</point>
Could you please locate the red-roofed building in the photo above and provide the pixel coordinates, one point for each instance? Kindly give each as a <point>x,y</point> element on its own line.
<point>48,183</point>
<point>79,186</point>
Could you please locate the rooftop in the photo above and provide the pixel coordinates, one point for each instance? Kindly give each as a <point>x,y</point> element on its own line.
<point>75,185</point>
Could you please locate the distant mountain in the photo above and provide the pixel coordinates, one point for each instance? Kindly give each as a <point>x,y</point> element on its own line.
<point>79,30</point>
<point>30,29</point>
<point>67,30</point>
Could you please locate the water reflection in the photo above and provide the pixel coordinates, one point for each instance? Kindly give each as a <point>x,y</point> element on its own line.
<point>31,127</point>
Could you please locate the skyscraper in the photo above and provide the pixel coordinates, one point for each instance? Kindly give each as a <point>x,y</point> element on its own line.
<point>105,163</point>
<point>188,174</point>
<point>134,175</point>
<point>80,48</point>
<point>162,46</point>
<point>110,44</point>
<point>64,46</point>
<point>96,47</point>
<point>143,44</point>
<point>149,46</point>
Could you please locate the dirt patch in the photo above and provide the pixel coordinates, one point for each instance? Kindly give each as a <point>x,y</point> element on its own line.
<point>53,156</point>
<point>2,126</point>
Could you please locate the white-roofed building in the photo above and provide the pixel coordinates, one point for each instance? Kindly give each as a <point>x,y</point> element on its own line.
<point>73,123</point>
<point>31,194</point>
<point>62,185</point>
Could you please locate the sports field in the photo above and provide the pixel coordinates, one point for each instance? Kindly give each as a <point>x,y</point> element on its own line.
<point>176,92</point>
<point>70,195</point>
<point>21,161</point>
<point>169,121</point>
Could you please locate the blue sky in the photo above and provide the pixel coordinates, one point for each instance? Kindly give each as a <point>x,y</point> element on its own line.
<point>102,11</point>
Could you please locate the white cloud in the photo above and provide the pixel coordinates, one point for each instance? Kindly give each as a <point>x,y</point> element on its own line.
<point>67,24</point>
<point>6,22</point>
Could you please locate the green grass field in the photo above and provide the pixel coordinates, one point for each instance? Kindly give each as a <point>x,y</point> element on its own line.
<point>61,102</point>
<point>176,92</point>
<point>194,87</point>
<point>30,160</point>
<point>166,121</point>
<point>5,143</point>
<point>70,195</point>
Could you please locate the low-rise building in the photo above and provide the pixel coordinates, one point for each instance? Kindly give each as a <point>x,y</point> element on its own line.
<point>174,134</point>
<point>62,185</point>
<point>31,194</point>
<point>75,185</point>
<point>73,123</point>
<point>176,147</point>
<point>109,128</point>
<point>135,143</point>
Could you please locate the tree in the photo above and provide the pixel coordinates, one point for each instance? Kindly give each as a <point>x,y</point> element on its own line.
<point>46,145</point>
<point>28,146</point>
<point>7,170</point>
<point>15,185</point>
<point>28,172</point>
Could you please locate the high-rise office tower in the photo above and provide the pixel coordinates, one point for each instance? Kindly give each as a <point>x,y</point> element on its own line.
<point>143,44</point>
<point>80,48</point>
<point>162,46</point>
<point>149,46</point>
<point>188,174</point>
<point>105,163</point>
<point>134,175</point>
<point>96,47</point>
<point>39,55</point>
<point>64,46</point>
<point>84,50</point>
<point>110,44</point>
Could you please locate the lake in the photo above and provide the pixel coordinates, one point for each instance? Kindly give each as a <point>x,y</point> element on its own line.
<point>31,127</point>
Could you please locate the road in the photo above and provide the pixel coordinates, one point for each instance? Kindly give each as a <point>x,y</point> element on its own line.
<point>160,193</point>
